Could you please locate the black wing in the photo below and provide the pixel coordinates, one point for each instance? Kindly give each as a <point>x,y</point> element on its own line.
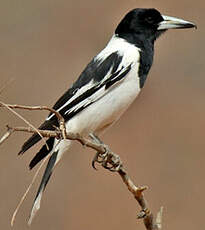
<point>94,81</point>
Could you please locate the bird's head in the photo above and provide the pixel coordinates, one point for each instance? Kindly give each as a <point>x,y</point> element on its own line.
<point>148,24</point>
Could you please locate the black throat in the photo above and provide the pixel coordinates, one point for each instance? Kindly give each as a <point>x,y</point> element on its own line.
<point>140,27</point>
<point>146,46</point>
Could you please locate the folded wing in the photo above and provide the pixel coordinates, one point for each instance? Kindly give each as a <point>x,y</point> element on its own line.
<point>94,82</point>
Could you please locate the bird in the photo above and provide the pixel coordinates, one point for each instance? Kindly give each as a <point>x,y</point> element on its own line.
<point>106,87</point>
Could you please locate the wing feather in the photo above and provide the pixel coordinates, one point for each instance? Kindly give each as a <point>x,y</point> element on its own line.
<point>93,83</point>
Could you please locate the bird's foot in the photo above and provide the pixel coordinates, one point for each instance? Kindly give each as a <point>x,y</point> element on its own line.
<point>107,159</point>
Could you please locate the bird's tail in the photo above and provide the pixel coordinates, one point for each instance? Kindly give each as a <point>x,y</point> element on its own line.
<point>59,148</point>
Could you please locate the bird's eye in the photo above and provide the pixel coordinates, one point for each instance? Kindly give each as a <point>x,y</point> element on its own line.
<point>150,20</point>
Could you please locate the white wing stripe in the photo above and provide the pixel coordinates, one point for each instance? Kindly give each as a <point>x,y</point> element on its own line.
<point>94,97</point>
<point>78,93</point>
<point>130,54</point>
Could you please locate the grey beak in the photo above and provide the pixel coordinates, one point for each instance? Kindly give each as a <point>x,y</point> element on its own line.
<point>174,23</point>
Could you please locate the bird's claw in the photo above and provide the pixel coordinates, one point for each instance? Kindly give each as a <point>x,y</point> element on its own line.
<point>108,160</point>
<point>112,162</point>
<point>98,158</point>
<point>95,159</point>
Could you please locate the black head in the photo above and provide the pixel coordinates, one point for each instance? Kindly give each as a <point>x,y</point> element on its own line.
<point>140,22</point>
<point>147,24</point>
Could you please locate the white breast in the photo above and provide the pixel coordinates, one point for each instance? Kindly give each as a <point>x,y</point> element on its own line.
<point>108,109</point>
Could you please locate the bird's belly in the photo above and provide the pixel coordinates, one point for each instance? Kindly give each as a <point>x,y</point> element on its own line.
<point>105,111</point>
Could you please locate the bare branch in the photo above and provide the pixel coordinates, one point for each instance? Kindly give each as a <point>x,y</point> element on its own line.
<point>58,115</point>
<point>6,135</point>
<point>15,106</point>
<point>109,161</point>
<point>145,213</point>
<point>22,118</point>
<point>159,218</point>
<point>44,133</point>
<point>58,134</point>
<point>27,190</point>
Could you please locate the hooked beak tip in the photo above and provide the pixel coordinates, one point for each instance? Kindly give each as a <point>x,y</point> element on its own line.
<point>175,23</point>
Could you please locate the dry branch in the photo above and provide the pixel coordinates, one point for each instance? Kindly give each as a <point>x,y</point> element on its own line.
<point>112,159</point>
<point>10,108</point>
<point>27,190</point>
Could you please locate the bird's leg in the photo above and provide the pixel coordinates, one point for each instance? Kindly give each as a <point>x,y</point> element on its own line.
<point>108,159</point>
<point>99,157</point>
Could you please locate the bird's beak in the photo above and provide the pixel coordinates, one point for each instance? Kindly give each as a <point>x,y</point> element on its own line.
<point>174,23</point>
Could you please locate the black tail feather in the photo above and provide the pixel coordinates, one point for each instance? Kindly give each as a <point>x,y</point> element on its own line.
<point>47,173</point>
<point>42,153</point>
<point>29,143</point>
<point>47,125</point>
<point>44,181</point>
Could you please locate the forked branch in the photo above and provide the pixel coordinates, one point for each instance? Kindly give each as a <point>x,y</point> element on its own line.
<point>61,133</point>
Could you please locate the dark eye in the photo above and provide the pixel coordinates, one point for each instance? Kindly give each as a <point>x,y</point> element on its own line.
<point>149,19</point>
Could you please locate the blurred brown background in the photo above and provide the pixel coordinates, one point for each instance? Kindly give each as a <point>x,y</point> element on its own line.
<point>44,45</point>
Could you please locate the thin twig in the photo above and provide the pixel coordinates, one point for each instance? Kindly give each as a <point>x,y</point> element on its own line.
<point>23,119</point>
<point>15,106</point>
<point>27,190</point>
<point>159,218</point>
<point>112,158</point>
<point>6,135</point>
<point>145,212</point>
<point>71,136</point>
<point>58,115</point>
<point>44,133</point>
